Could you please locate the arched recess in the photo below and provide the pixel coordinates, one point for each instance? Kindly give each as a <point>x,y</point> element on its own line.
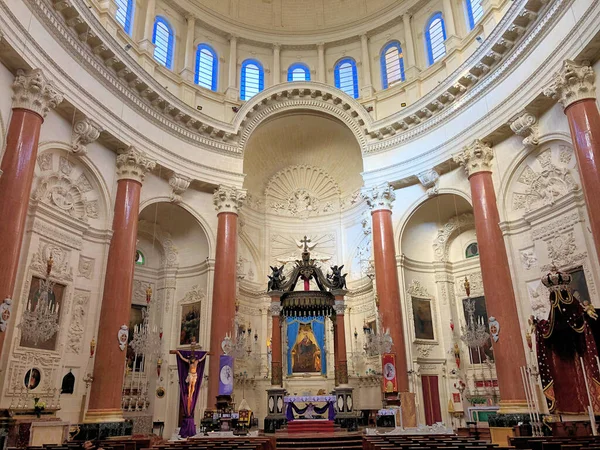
<point>295,96</point>
<point>202,223</point>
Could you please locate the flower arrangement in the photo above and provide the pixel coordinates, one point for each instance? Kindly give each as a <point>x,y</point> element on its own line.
<point>38,406</point>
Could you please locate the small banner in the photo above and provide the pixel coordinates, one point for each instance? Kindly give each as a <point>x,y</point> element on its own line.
<point>225,375</point>
<point>390,380</point>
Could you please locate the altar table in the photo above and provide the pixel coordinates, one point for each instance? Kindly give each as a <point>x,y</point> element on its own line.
<point>310,405</point>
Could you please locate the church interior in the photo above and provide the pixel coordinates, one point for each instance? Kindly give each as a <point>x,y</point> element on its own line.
<point>260,224</point>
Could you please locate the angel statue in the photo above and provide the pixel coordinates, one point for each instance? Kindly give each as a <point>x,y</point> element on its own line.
<point>276,278</point>
<point>337,280</point>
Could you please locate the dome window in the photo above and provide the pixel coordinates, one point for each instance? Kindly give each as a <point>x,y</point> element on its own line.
<point>474,12</point>
<point>345,77</point>
<point>435,35</point>
<point>252,80</point>
<point>298,72</point>
<point>392,64</point>
<point>206,67</point>
<point>163,38</point>
<point>472,250</point>
<point>125,14</point>
<point>140,259</point>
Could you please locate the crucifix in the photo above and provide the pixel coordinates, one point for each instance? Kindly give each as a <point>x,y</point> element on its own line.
<point>305,241</point>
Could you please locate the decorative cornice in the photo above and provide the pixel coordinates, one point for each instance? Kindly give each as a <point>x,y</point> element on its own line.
<point>85,132</point>
<point>379,197</point>
<point>228,199</point>
<point>573,82</point>
<point>34,92</point>
<point>525,125</point>
<point>475,158</point>
<point>133,164</point>
<point>179,184</point>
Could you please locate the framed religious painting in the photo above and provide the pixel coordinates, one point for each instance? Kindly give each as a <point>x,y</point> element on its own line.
<point>306,346</point>
<point>479,354</point>
<point>55,295</point>
<point>190,323</point>
<point>423,318</point>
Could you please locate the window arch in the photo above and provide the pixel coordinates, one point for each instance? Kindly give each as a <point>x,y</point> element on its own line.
<point>252,79</point>
<point>435,35</point>
<point>392,63</point>
<point>125,14</point>
<point>163,39</point>
<point>298,72</point>
<point>206,67</point>
<point>140,259</point>
<point>474,12</point>
<point>345,76</point>
<point>472,250</point>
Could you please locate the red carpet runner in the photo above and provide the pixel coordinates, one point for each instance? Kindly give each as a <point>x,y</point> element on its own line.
<point>310,426</point>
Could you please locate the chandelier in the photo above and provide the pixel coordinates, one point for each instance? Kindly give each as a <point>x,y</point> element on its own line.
<point>475,333</point>
<point>377,341</point>
<point>243,346</point>
<point>40,319</point>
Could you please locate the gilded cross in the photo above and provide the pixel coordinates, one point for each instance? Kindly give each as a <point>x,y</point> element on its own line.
<point>305,241</point>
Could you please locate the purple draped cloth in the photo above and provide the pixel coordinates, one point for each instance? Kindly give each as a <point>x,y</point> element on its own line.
<point>188,427</point>
<point>291,408</point>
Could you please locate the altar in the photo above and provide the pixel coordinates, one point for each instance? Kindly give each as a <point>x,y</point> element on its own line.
<point>309,407</point>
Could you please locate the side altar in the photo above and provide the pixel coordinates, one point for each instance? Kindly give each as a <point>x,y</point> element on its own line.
<point>306,311</point>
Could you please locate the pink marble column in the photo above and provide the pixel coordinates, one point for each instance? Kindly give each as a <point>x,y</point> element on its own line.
<point>109,364</point>
<point>500,300</point>
<point>33,97</point>
<point>276,353</point>
<point>574,86</point>
<point>341,358</point>
<point>227,201</point>
<point>380,199</point>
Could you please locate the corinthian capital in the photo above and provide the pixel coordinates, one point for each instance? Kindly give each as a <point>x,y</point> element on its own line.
<point>571,83</point>
<point>475,158</point>
<point>34,92</point>
<point>133,164</point>
<point>85,132</point>
<point>228,199</point>
<point>379,197</point>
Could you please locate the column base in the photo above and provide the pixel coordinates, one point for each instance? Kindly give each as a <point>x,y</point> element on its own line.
<point>409,409</point>
<point>513,407</point>
<point>275,410</point>
<point>104,415</point>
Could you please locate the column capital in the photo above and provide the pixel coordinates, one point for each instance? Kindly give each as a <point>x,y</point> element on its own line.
<point>275,309</point>
<point>379,197</point>
<point>276,46</point>
<point>85,132</point>
<point>132,164</point>
<point>232,39</point>
<point>339,307</point>
<point>573,82</point>
<point>228,199</point>
<point>475,158</point>
<point>34,92</point>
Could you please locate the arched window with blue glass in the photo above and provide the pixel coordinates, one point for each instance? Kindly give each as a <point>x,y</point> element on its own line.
<point>346,78</point>
<point>435,35</point>
<point>125,14</point>
<point>163,39</point>
<point>392,63</point>
<point>252,79</point>
<point>298,72</point>
<point>474,12</point>
<point>206,67</point>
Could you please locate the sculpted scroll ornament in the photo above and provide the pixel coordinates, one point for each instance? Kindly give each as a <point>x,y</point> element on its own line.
<point>451,229</point>
<point>133,164</point>
<point>85,268</point>
<point>525,125</point>
<point>429,179</point>
<point>546,182</point>
<point>61,269</point>
<point>475,158</point>
<point>195,294</point>
<point>85,132</point>
<point>573,82</point>
<point>77,327</point>
<point>179,185</point>
<point>379,197</point>
<point>228,199</point>
<point>33,91</point>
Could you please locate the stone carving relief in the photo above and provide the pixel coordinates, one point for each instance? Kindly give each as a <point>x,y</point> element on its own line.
<point>528,258</point>
<point>85,132</point>
<point>61,269</point>
<point>424,351</point>
<point>65,166</point>
<point>288,248</point>
<point>195,294</point>
<point>302,191</point>
<point>179,184</point>
<point>416,289</point>
<point>44,161</point>
<point>562,248</point>
<point>34,92</point>
<point>452,228</point>
<point>543,181</point>
<point>43,229</point>
<point>76,332</point>
<point>525,125</point>
<point>475,281</point>
<point>430,181</point>
<point>139,291</point>
<point>85,268</point>
<point>61,192</point>
<point>538,297</point>
<point>170,256</point>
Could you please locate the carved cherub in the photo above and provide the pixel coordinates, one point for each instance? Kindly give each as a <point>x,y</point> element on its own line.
<point>276,278</point>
